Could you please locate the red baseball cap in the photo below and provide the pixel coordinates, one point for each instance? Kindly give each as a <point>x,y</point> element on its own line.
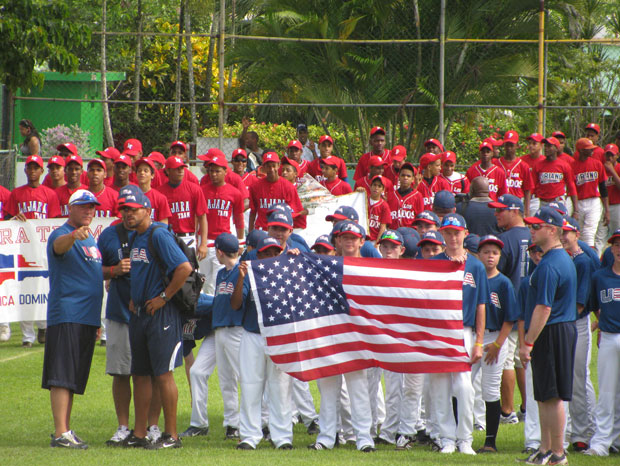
<point>435,142</point>
<point>180,144</point>
<point>74,158</point>
<point>35,159</point>
<point>109,153</point>
<point>448,156</point>
<point>490,239</point>
<point>611,148</point>
<point>325,137</point>
<point>270,157</point>
<point>213,152</point>
<point>486,144</point>
<point>331,161</point>
<point>376,161</point>
<point>427,159</point>
<point>558,134</point>
<point>56,160</point>
<point>99,162</point>
<point>123,158</point>
<point>535,137</point>
<point>157,157</point>
<point>594,127</point>
<point>132,147</point>
<point>218,160</point>
<point>291,162</point>
<point>147,161</point>
<point>584,143</point>
<point>493,141</point>
<point>378,178</point>
<point>511,136</point>
<point>175,162</point>
<point>67,146</point>
<point>398,153</point>
<point>553,141</point>
<point>295,143</point>
<point>239,152</point>
<point>377,130</point>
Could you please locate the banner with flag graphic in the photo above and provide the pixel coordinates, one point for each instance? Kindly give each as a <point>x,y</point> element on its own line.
<point>327,315</point>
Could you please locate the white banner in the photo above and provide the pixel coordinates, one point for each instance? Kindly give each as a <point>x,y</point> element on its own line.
<point>24,283</point>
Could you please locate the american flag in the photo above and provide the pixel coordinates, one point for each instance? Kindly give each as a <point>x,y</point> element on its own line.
<point>327,315</point>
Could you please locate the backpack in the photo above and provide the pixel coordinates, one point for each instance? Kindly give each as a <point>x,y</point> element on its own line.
<point>186,299</point>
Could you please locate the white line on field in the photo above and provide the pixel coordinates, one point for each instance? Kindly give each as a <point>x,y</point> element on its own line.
<point>17,356</point>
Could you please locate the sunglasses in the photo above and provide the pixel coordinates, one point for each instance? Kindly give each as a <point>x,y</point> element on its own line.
<point>451,222</point>
<point>538,226</point>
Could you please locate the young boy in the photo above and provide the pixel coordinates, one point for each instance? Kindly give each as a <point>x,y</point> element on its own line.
<point>485,167</point>
<point>431,244</point>
<point>426,221</point>
<point>458,182</point>
<point>407,201</point>
<point>329,169</point>
<point>326,145</point>
<point>398,155</point>
<point>379,213</point>
<point>376,167</point>
<point>323,246</point>
<point>502,313</point>
<point>145,171</point>
<point>430,168</point>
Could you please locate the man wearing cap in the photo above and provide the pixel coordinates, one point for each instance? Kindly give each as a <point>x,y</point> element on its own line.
<point>612,168</point>
<point>178,149</point>
<point>480,219</point>
<point>377,144</point>
<point>326,145</point>
<point>593,133</point>
<point>158,159</point>
<point>431,244</point>
<point>518,174</point>
<point>270,190</point>
<point>108,156</point>
<point>431,182</point>
<point>73,314</point>
<point>534,147</point>
<point>444,203</point>
<point>457,181</point>
<point>145,172</point>
<point>232,178</point>
<point>248,140</point>
<point>590,177</point>
<point>310,150</point>
<point>565,153</point>
<point>433,146</point>
<point>122,170</point>
<point>493,173</point>
<point>398,155</point>
<point>73,172</point>
<point>133,148</point>
<point>379,213</point>
<point>335,185</point>
<point>407,201</point>
<point>239,160</point>
<point>349,213</point>
<point>187,205</point>
<point>56,172</point>
<point>106,196</point>
<point>63,151</point>
<point>550,332</point>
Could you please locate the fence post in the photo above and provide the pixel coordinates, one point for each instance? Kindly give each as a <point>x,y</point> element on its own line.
<point>541,65</point>
<point>442,56</point>
<point>221,74</point>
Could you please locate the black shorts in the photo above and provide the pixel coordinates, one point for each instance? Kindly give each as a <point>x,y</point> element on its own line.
<point>68,354</point>
<point>553,361</point>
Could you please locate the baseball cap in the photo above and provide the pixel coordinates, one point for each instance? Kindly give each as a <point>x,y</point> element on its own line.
<point>507,201</point>
<point>434,142</point>
<point>534,247</point>
<point>352,228</point>
<point>213,152</point>
<point>409,166</point>
<point>584,144</point>
<point>448,156</point>
<point>74,158</point>
<point>132,147</point>
<point>218,160</point>
<point>132,196</point>
<point>270,157</point>
<point>67,146</point>
<point>611,148</point>
<point>393,236</point>
<point>444,200</point>
<point>123,158</point>
<point>325,137</point>
<point>408,231</point>
<point>494,142</point>
<point>485,144</point>
<point>594,127</point>
<point>378,178</point>
<point>427,159</point>
<point>535,137</point>
<point>99,162</point>
<point>295,143</point>
<point>56,160</point>
<point>293,163</point>
<point>432,237</point>
<point>344,212</point>
<point>268,242</point>
<point>175,162</point>
<point>330,161</point>
<point>302,127</point>
<point>147,161</point>
<point>553,141</point>
<point>559,206</point>
<point>455,221</point>
<point>511,136</point>
<point>157,157</point>
<point>377,130</point>
<point>239,153</point>
<point>109,153</point>
<point>558,134</point>
<point>546,215</point>
<point>570,224</point>
<point>398,153</point>
<point>254,237</point>
<point>411,246</point>
<point>280,218</point>
<point>427,216</point>
<point>472,242</point>
<point>490,239</point>
<point>180,144</point>
<point>614,236</point>
<point>226,242</point>
<point>82,197</point>
<point>376,161</point>
<point>35,159</point>
<point>324,241</point>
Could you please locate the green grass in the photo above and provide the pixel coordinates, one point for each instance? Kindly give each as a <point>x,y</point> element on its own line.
<point>27,423</point>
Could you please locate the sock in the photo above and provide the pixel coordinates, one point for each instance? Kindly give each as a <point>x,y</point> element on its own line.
<point>522,409</point>
<point>493,408</point>
<point>455,410</point>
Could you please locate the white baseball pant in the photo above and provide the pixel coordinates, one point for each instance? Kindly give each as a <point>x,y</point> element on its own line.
<point>491,374</point>
<point>345,426</point>
<point>302,401</point>
<point>27,328</point>
<point>199,374</point>
<point>210,266</point>
<point>590,211</point>
<point>403,393</point>
<point>227,341</point>
<point>480,408</point>
<point>377,401</point>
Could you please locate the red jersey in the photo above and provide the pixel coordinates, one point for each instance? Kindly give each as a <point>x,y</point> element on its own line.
<point>223,203</point>
<point>264,194</point>
<point>553,179</point>
<point>588,175</point>
<point>314,169</point>
<point>231,179</point>
<point>532,161</point>
<point>518,176</point>
<point>391,174</point>
<point>378,213</point>
<point>495,175</point>
<point>118,188</point>
<point>363,168</point>
<point>428,191</point>
<point>337,187</point>
<point>189,176</point>
<point>303,168</point>
<point>405,207</point>
<point>612,189</point>
<point>108,199</point>
<point>186,202</point>
<point>365,183</point>
<point>4,197</point>
<point>39,202</point>
<point>458,184</point>
<point>566,158</point>
<point>64,193</point>
<point>249,178</point>
<point>160,210</point>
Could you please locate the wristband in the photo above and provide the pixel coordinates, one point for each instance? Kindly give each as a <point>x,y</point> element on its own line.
<point>73,234</point>
<point>478,344</point>
<point>531,345</point>
<point>497,345</point>
<point>112,272</point>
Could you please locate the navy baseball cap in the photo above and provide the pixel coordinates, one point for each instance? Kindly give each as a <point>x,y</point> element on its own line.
<point>393,236</point>
<point>559,206</point>
<point>325,241</point>
<point>455,221</point>
<point>344,212</point>
<point>472,242</point>
<point>570,224</point>
<point>82,197</point>
<point>280,219</point>
<point>132,196</point>
<point>254,237</point>
<point>411,246</point>
<point>408,231</point>
<point>352,228</point>
<point>507,201</point>
<point>427,216</point>
<point>268,242</point>
<point>614,236</point>
<point>546,215</point>
<point>226,242</point>
<point>444,200</point>
<point>432,237</point>
<point>490,239</point>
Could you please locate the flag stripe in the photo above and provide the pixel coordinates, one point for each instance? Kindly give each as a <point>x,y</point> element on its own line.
<point>433,317</point>
<point>405,302</point>
<point>394,282</point>
<point>399,319</point>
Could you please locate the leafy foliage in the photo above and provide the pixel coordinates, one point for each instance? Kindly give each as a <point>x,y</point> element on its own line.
<point>60,134</point>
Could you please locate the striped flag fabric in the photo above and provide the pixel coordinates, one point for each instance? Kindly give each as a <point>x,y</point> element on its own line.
<point>327,315</point>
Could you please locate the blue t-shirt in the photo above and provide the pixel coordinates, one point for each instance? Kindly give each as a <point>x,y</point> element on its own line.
<point>608,258</point>
<point>76,281</point>
<point>591,253</point>
<point>503,303</point>
<point>514,260</point>
<point>368,250</point>
<point>553,283</point>
<point>223,314</point>
<point>606,291</point>
<point>475,288</point>
<point>145,276</point>
<point>522,293</point>
<point>119,293</point>
<point>248,309</point>
<point>296,241</point>
<point>585,269</point>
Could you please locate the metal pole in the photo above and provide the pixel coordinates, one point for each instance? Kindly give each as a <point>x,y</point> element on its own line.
<point>545,88</point>
<point>442,56</point>
<point>541,64</point>
<point>221,74</point>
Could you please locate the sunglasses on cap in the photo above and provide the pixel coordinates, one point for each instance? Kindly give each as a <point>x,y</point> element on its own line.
<point>451,222</point>
<point>538,226</point>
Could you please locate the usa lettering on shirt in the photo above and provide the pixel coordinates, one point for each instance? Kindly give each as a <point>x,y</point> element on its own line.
<point>610,294</point>
<point>92,253</point>
<point>37,208</point>
<point>469,280</point>
<point>225,288</point>
<point>550,177</point>
<point>139,255</point>
<point>586,177</point>
<point>495,299</point>
<point>181,208</point>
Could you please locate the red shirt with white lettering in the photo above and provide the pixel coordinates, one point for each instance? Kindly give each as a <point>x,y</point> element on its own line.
<point>378,213</point>
<point>39,202</point>
<point>518,176</point>
<point>363,165</point>
<point>108,199</point>
<point>588,174</point>
<point>186,202</point>
<point>160,210</point>
<point>405,207</point>
<point>337,187</point>
<point>495,175</point>
<point>314,169</point>
<point>458,184</point>
<point>553,179</point>
<point>612,189</point>
<point>118,188</point>
<point>223,203</point>
<point>249,178</point>
<point>264,194</point>
<point>189,176</point>
<point>428,190</point>
<point>64,193</point>
<point>4,197</point>
<point>597,154</point>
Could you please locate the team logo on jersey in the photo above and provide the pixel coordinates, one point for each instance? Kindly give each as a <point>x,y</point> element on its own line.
<point>610,294</point>
<point>225,288</point>
<point>495,300</point>
<point>37,208</point>
<point>549,178</point>
<point>586,177</point>
<point>468,279</point>
<point>139,255</point>
<point>92,253</point>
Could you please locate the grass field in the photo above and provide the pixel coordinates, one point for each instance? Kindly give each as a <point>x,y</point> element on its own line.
<point>27,423</point>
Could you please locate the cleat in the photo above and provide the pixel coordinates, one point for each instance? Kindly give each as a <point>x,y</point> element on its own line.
<point>68,440</point>
<point>368,449</point>
<point>193,431</point>
<point>119,437</point>
<point>27,344</point>
<point>153,434</point>
<point>466,449</point>
<point>404,442</point>
<point>131,441</point>
<point>244,446</point>
<point>556,460</point>
<point>580,446</point>
<point>317,446</point>
<point>508,418</point>
<point>313,428</point>
<point>486,449</point>
<point>540,458</point>
<point>165,441</point>
<point>285,446</point>
<point>448,449</point>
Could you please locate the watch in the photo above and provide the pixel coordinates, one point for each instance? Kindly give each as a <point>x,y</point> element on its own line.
<point>164,297</point>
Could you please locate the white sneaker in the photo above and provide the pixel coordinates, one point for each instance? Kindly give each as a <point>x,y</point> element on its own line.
<point>153,433</point>
<point>121,434</point>
<point>510,419</point>
<point>448,449</point>
<point>5,332</point>
<point>466,449</point>
<point>593,452</point>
